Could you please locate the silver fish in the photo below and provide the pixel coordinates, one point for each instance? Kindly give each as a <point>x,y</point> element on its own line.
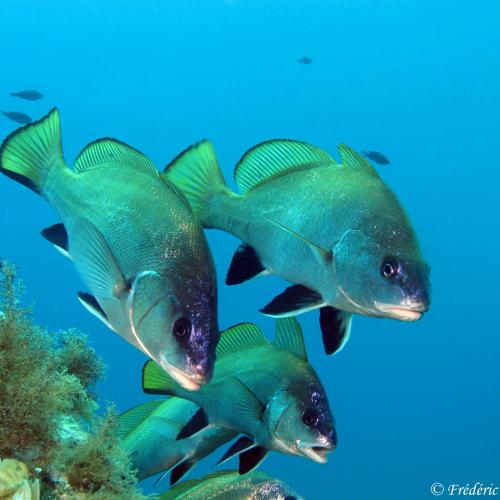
<point>134,241</point>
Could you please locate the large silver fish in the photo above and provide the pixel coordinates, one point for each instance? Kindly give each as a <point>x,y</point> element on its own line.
<point>267,391</point>
<point>134,241</point>
<point>334,229</point>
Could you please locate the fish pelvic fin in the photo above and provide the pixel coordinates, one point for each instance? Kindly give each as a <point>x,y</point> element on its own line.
<point>196,173</point>
<point>30,154</point>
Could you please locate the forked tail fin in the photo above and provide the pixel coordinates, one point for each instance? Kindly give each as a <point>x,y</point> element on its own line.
<point>196,173</point>
<point>31,153</point>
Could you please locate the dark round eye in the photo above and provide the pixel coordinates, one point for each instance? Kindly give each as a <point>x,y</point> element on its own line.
<point>182,327</point>
<point>310,417</point>
<point>389,268</point>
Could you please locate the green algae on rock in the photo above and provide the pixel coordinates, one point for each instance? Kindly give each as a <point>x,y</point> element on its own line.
<point>48,404</point>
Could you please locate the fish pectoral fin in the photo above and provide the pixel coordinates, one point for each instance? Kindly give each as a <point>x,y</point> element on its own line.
<point>335,328</point>
<point>58,236</point>
<point>156,381</point>
<point>95,261</point>
<point>180,470</point>
<point>90,303</point>
<point>196,423</point>
<point>289,337</point>
<point>246,404</point>
<point>129,420</point>
<point>242,444</point>
<point>322,255</point>
<point>296,299</point>
<point>251,458</point>
<point>245,266</point>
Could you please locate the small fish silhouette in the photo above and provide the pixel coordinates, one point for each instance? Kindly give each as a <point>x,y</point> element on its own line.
<point>305,60</point>
<point>29,95</point>
<point>17,117</point>
<point>376,157</point>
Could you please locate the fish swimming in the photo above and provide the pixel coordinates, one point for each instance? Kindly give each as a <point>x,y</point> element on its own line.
<point>335,230</point>
<point>305,60</point>
<point>28,95</point>
<point>376,157</point>
<point>17,117</point>
<point>149,435</point>
<point>134,241</point>
<point>267,391</point>
<point>229,485</point>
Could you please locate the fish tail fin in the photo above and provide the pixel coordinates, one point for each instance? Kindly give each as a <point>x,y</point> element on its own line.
<point>196,173</point>
<point>30,154</point>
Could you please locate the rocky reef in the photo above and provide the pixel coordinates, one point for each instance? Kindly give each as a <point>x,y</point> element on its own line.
<point>50,433</point>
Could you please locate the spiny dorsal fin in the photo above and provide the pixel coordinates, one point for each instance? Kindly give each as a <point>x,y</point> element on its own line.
<point>131,419</point>
<point>221,473</point>
<point>106,152</point>
<point>351,159</point>
<point>180,489</point>
<point>274,158</point>
<point>289,337</point>
<point>239,337</point>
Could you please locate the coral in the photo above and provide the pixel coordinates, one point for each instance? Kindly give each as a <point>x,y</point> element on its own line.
<point>47,408</point>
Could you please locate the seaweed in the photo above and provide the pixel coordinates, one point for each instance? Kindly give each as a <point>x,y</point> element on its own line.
<point>48,405</point>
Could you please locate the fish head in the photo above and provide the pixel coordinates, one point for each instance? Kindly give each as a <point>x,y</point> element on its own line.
<point>380,270</point>
<point>301,422</point>
<point>177,327</point>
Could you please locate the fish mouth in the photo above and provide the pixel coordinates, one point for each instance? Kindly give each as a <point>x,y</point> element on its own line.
<point>315,453</point>
<point>191,382</point>
<point>401,312</point>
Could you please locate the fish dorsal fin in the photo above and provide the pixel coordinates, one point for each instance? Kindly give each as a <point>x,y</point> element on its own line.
<point>289,337</point>
<point>131,419</point>
<point>180,489</point>
<point>274,158</point>
<point>351,159</point>
<point>106,152</point>
<point>239,337</point>
<point>219,473</point>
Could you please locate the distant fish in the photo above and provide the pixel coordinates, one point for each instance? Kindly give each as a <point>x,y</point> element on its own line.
<point>29,95</point>
<point>376,157</point>
<point>17,117</point>
<point>305,60</point>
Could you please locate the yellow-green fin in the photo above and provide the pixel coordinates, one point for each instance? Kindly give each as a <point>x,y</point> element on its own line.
<point>31,153</point>
<point>289,336</point>
<point>274,158</point>
<point>239,337</point>
<point>156,381</point>
<point>131,419</point>
<point>351,159</point>
<point>110,152</point>
<point>180,490</point>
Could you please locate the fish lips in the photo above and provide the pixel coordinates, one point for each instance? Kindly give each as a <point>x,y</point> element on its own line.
<point>189,381</point>
<point>402,312</point>
<point>318,451</point>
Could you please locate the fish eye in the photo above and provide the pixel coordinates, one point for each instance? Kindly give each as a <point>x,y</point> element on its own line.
<point>182,327</point>
<point>389,268</point>
<point>310,417</point>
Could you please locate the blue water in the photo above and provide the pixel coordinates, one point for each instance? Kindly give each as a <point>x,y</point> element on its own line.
<point>418,80</point>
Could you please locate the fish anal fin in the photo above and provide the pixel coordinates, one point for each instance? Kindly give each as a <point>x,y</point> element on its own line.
<point>180,470</point>
<point>244,266</point>
<point>197,422</point>
<point>296,299</point>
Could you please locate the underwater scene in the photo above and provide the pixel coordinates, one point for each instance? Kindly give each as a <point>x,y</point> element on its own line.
<point>248,249</point>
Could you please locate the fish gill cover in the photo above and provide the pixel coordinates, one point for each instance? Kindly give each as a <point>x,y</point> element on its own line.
<point>48,421</point>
